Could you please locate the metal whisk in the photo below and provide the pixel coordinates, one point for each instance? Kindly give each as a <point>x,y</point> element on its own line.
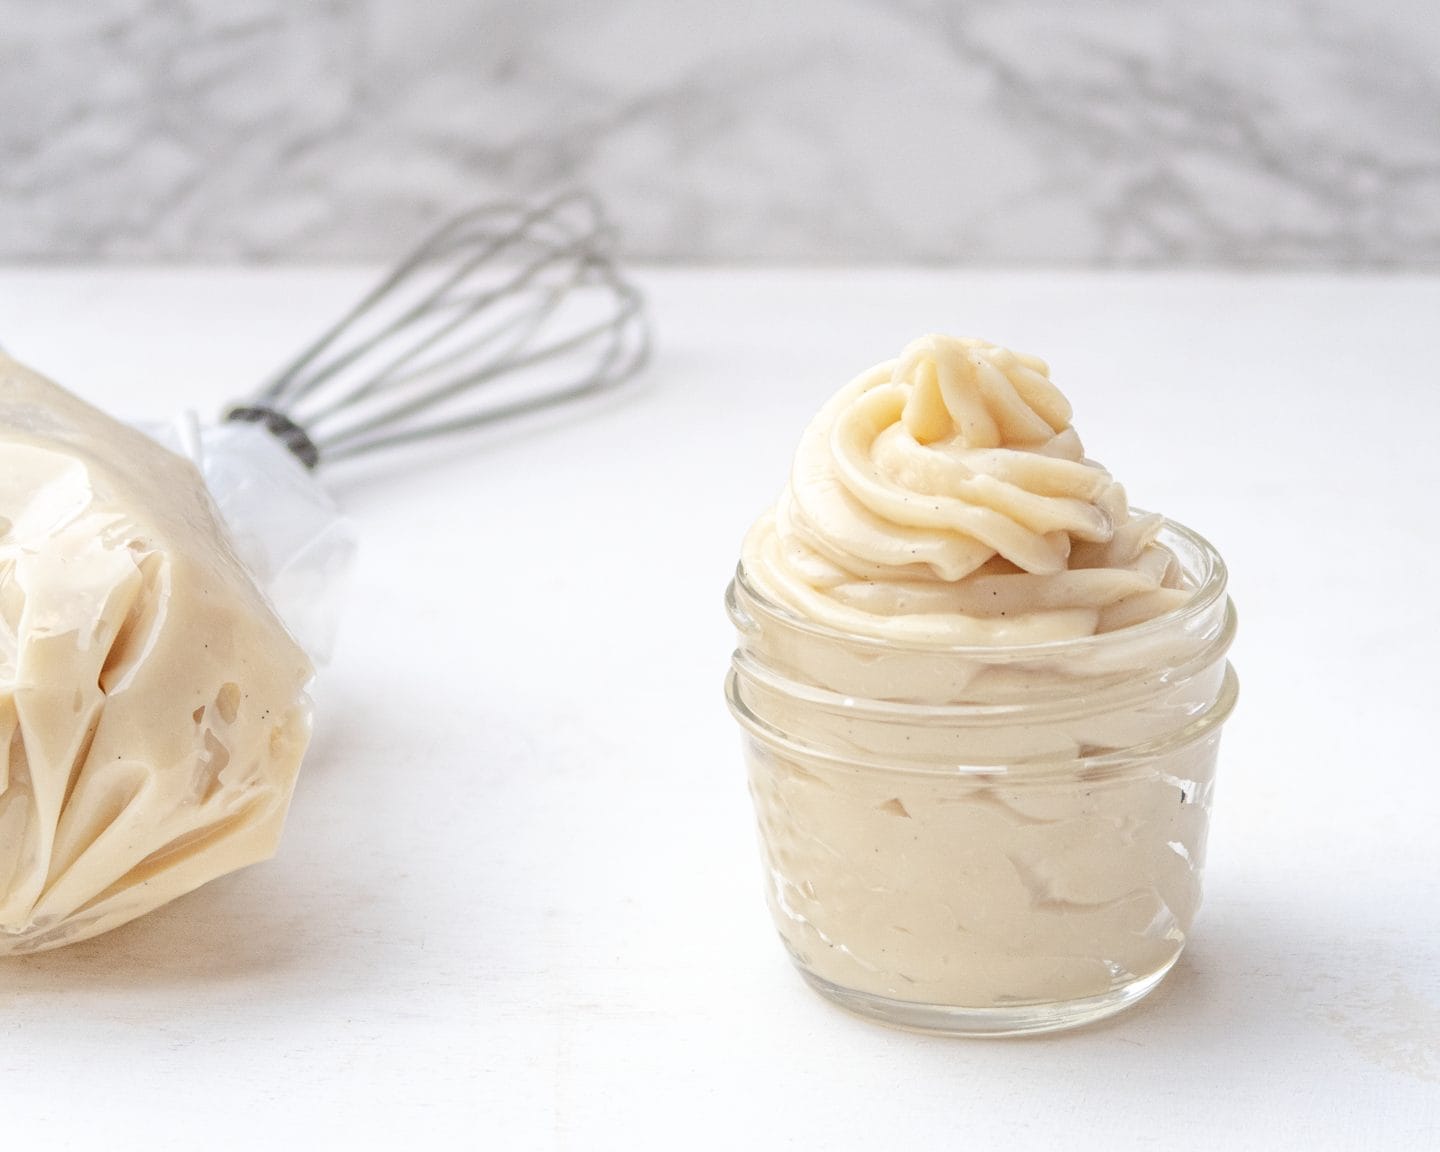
<point>505,310</point>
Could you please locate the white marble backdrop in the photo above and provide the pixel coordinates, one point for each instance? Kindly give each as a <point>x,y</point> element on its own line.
<point>999,132</point>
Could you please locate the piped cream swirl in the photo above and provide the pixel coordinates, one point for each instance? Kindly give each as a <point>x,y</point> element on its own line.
<point>945,497</point>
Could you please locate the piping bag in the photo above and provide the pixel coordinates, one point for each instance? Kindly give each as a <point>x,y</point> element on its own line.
<point>166,592</point>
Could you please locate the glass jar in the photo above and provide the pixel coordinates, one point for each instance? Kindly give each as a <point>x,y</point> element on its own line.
<point>985,840</point>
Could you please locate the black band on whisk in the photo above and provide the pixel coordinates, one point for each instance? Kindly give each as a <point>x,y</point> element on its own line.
<point>283,428</point>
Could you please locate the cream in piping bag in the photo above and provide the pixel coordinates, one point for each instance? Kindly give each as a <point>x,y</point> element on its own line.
<point>153,708</point>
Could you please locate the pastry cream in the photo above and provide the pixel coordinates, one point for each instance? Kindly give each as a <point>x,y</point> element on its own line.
<point>945,497</point>
<point>984,697</point>
<point>153,709</point>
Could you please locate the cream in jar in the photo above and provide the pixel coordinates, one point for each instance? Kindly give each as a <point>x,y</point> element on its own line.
<point>983,698</point>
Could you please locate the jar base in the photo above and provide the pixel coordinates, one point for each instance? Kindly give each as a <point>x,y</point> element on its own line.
<point>1008,1020</point>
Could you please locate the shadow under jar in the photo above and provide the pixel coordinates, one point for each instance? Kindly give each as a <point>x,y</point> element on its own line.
<point>986,840</point>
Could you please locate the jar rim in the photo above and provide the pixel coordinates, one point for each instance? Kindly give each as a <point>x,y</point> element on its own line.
<point>1211,575</point>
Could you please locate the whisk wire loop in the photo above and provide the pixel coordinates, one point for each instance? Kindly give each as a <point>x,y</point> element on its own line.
<point>506,309</point>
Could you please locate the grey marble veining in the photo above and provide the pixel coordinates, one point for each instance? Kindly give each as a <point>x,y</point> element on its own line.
<point>1104,132</point>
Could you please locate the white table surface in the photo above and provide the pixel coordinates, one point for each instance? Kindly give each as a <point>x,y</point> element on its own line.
<point>518,902</point>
